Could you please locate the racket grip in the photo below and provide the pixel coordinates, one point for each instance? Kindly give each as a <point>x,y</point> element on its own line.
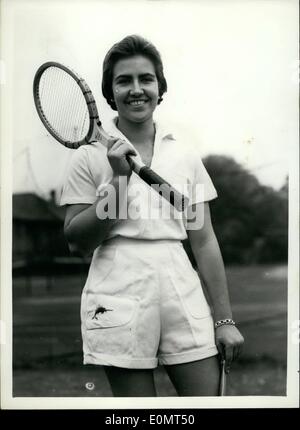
<point>222,385</point>
<point>164,189</point>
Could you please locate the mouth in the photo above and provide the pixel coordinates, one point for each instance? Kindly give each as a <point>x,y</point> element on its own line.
<point>136,102</point>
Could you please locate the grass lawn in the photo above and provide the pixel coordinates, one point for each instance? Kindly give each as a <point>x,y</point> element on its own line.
<point>246,379</point>
<point>47,339</point>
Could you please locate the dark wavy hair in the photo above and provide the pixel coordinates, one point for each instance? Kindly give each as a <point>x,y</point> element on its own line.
<point>129,47</point>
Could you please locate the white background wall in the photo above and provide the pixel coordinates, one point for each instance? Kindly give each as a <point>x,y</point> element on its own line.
<point>231,68</point>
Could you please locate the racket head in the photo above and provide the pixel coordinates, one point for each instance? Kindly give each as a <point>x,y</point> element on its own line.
<point>65,104</point>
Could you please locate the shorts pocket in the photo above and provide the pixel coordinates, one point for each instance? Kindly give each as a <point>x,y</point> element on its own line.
<point>196,303</point>
<point>109,326</point>
<point>102,264</point>
<point>105,311</point>
<point>188,284</point>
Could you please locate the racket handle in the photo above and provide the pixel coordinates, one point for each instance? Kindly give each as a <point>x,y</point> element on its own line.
<point>222,385</point>
<point>164,189</point>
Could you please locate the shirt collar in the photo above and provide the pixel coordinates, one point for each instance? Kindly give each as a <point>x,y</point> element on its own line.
<point>161,130</point>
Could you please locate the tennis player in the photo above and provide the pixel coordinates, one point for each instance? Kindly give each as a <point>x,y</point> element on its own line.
<point>143,303</point>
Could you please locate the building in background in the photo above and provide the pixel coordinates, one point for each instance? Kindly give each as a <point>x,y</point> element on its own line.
<point>39,245</point>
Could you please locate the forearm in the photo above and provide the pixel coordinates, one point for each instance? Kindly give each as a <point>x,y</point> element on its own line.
<point>209,260</point>
<point>211,269</point>
<point>89,228</point>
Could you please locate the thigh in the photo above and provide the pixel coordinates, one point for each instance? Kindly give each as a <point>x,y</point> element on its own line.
<point>197,378</point>
<point>131,382</point>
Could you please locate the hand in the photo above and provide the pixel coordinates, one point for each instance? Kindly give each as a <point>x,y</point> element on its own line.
<point>229,342</point>
<point>117,152</point>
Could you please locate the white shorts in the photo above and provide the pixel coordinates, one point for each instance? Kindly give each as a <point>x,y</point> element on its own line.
<point>144,305</point>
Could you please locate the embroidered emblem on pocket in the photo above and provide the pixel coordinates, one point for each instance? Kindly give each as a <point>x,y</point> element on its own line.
<point>100,310</point>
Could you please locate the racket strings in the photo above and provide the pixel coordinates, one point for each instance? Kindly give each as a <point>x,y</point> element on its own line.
<point>63,105</point>
<point>84,123</point>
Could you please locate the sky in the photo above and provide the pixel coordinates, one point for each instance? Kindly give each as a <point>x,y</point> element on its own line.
<point>231,69</point>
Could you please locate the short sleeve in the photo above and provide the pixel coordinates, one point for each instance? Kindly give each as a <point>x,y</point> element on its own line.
<point>79,185</point>
<point>203,189</point>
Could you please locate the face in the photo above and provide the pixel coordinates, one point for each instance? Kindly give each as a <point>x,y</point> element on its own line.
<point>135,88</point>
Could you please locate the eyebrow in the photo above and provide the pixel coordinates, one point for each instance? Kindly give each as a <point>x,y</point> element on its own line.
<point>142,75</point>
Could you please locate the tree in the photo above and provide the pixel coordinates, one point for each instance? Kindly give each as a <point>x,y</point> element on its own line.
<point>250,220</point>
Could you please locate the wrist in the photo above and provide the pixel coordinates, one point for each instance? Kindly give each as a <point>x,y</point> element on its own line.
<point>222,322</point>
<point>218,316</point>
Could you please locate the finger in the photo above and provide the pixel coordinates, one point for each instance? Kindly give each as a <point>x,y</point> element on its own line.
<point>240,350</point>
<point>236,353</point>
<point>114,145</point>
<point>130,160</point>
<point>111,141</point>
<point>124,150</point>
<point>228,358</point>
<point>220,348</point>
<point>131,151</point>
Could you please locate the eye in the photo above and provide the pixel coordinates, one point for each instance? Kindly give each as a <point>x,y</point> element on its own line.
<point>122,81</point>
<point>147,79</point>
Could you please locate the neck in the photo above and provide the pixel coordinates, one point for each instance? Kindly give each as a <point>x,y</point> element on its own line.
<point>137,133</point>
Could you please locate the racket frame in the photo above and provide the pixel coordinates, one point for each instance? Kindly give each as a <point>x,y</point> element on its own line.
<point>93,133</point>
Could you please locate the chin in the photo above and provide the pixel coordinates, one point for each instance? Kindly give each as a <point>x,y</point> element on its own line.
<point>140,118</point>
<point>143,119</point>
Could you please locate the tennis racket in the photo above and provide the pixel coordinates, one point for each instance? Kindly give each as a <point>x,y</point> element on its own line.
<point>67,108</point>
<point>222,385</point>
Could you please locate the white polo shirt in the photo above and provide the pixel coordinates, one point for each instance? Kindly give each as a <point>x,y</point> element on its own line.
<point>146,215</point>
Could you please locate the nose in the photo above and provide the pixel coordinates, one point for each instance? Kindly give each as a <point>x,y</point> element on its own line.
<point>136,88</point>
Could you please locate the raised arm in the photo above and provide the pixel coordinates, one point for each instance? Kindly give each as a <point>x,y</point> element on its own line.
<point>84,228</point>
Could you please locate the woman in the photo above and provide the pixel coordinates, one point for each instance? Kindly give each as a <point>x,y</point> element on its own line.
<point>143,302</point>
